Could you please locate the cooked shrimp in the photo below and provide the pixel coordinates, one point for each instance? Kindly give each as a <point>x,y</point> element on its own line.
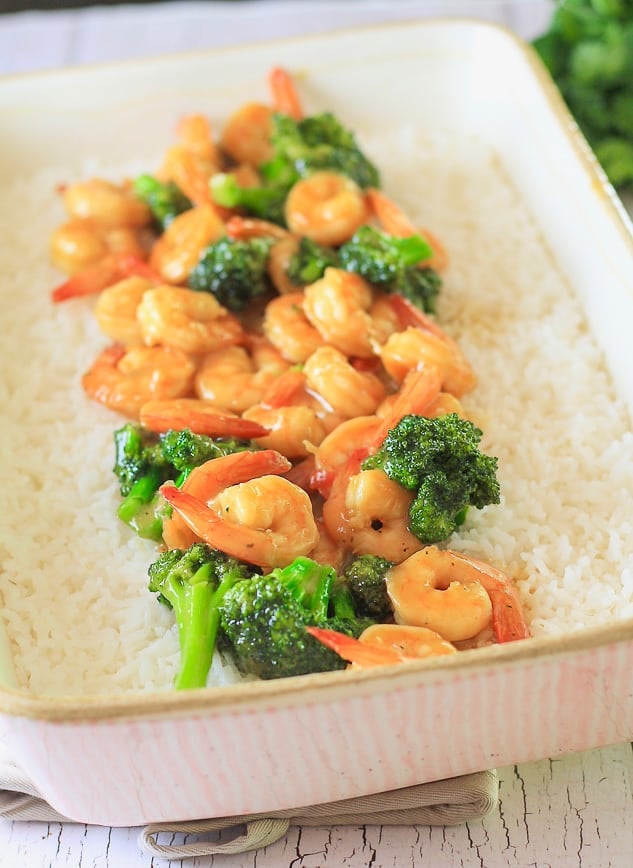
<point>384,644</point>
<point>349,392</point>
<point>192,162</point>
<point>266,520</point>
<point>194,322</point>
<point>284,93</point>
<point>396,222</point>
<point>104,273</point>
<point>207,480</point>
<point>124,380</point>
<point>201,417</point>
<point>376,515</point>
<point>246,135</point>
<point>116,307</point>
<point>243,228</point>
<point>336,448</point>
<point>293,430</point>
<point>111,205</point>
<point>180,246</point>
<point>338,306</point>
<point>384,319</point>
<point>82,242</point>
<point>326,207</point>
<point>279,259</point>
<point>288,328</point>
<point>414,348</point>
<point>456,595</point>
<point>238,379</point>
<point>419,391</point>
<point>328,551</point>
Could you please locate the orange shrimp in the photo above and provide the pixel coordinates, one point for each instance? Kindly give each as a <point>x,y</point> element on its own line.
<point>207,480</point>
<point>284,93</point>
<point>384,645</point>
<point>445,590</point>
<point>109,270</point>
<point>254,516</point>
<point>201,417</point>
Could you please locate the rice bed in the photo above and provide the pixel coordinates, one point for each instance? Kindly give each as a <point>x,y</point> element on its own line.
<point>73,579</point>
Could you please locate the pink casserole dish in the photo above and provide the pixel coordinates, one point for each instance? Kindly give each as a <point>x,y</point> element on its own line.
<point>138,757</point>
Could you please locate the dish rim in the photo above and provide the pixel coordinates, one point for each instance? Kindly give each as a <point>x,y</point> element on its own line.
<point>19,702</point>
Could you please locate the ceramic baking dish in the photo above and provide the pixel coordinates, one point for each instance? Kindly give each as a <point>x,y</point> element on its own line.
<point>131,759</point>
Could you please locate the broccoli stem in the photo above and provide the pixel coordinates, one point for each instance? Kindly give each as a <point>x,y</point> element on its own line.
<point>195,618</point>
<point>198,618</point>
<point>133,509</point>
<point>343,603</point>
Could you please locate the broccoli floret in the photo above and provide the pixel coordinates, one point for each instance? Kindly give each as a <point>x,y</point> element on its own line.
<point>264,621</point>
<point>141,469</point>
<point>165,201</point>
<point>194,583</point>
<point>309,262</point>
<point>143,461</point>
<point>185,450</point>
<point>365,576</point>
<point>392,264</point>
<point>266,201</point>
<point>233,271</point>
<point>318,142</point>
<point>440,460</point>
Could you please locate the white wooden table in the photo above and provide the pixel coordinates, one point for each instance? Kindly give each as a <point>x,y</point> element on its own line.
<point>570,811</point>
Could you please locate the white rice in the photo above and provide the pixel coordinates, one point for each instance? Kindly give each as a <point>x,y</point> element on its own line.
<point>74,580</point>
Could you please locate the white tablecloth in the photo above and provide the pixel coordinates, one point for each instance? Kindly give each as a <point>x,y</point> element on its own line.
<point>574,811</point>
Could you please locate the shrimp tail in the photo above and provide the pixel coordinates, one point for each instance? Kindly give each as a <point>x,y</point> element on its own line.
<point>284,93</point>
<point>163,416</point>
<point>96,278</point>
<point>353,650</point>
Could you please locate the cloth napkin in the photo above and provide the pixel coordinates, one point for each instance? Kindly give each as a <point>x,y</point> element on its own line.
<point>440,803</point>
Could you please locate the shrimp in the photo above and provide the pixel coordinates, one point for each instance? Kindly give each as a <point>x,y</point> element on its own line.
<point>108,204</point>
<point>124,380</point>
<point>279,259</point>
<point>349,392</point>
<point>396,222</point>
<point>335,449</point>
<point>376,517</point>
<point>192,163</point>
<point>326,207</point>
<point>293,430</point>
<point>243,228</point>
<point>287,327</point>
<point>116,307</point>
<point>246,136</point>
<point>384,644</point>
<point>284,93</point>
<point>180,246</point>
<point>263,519</point>
<point>415,348</point>
<point>201,417</point>
<point>104,273</point>
<point>338,306</point>
<point>207,480</point>
<point>194,322</point>
<point>82,242</point>
<point>456,595</point>
<point>236,379</point>
<point>327,551</point>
